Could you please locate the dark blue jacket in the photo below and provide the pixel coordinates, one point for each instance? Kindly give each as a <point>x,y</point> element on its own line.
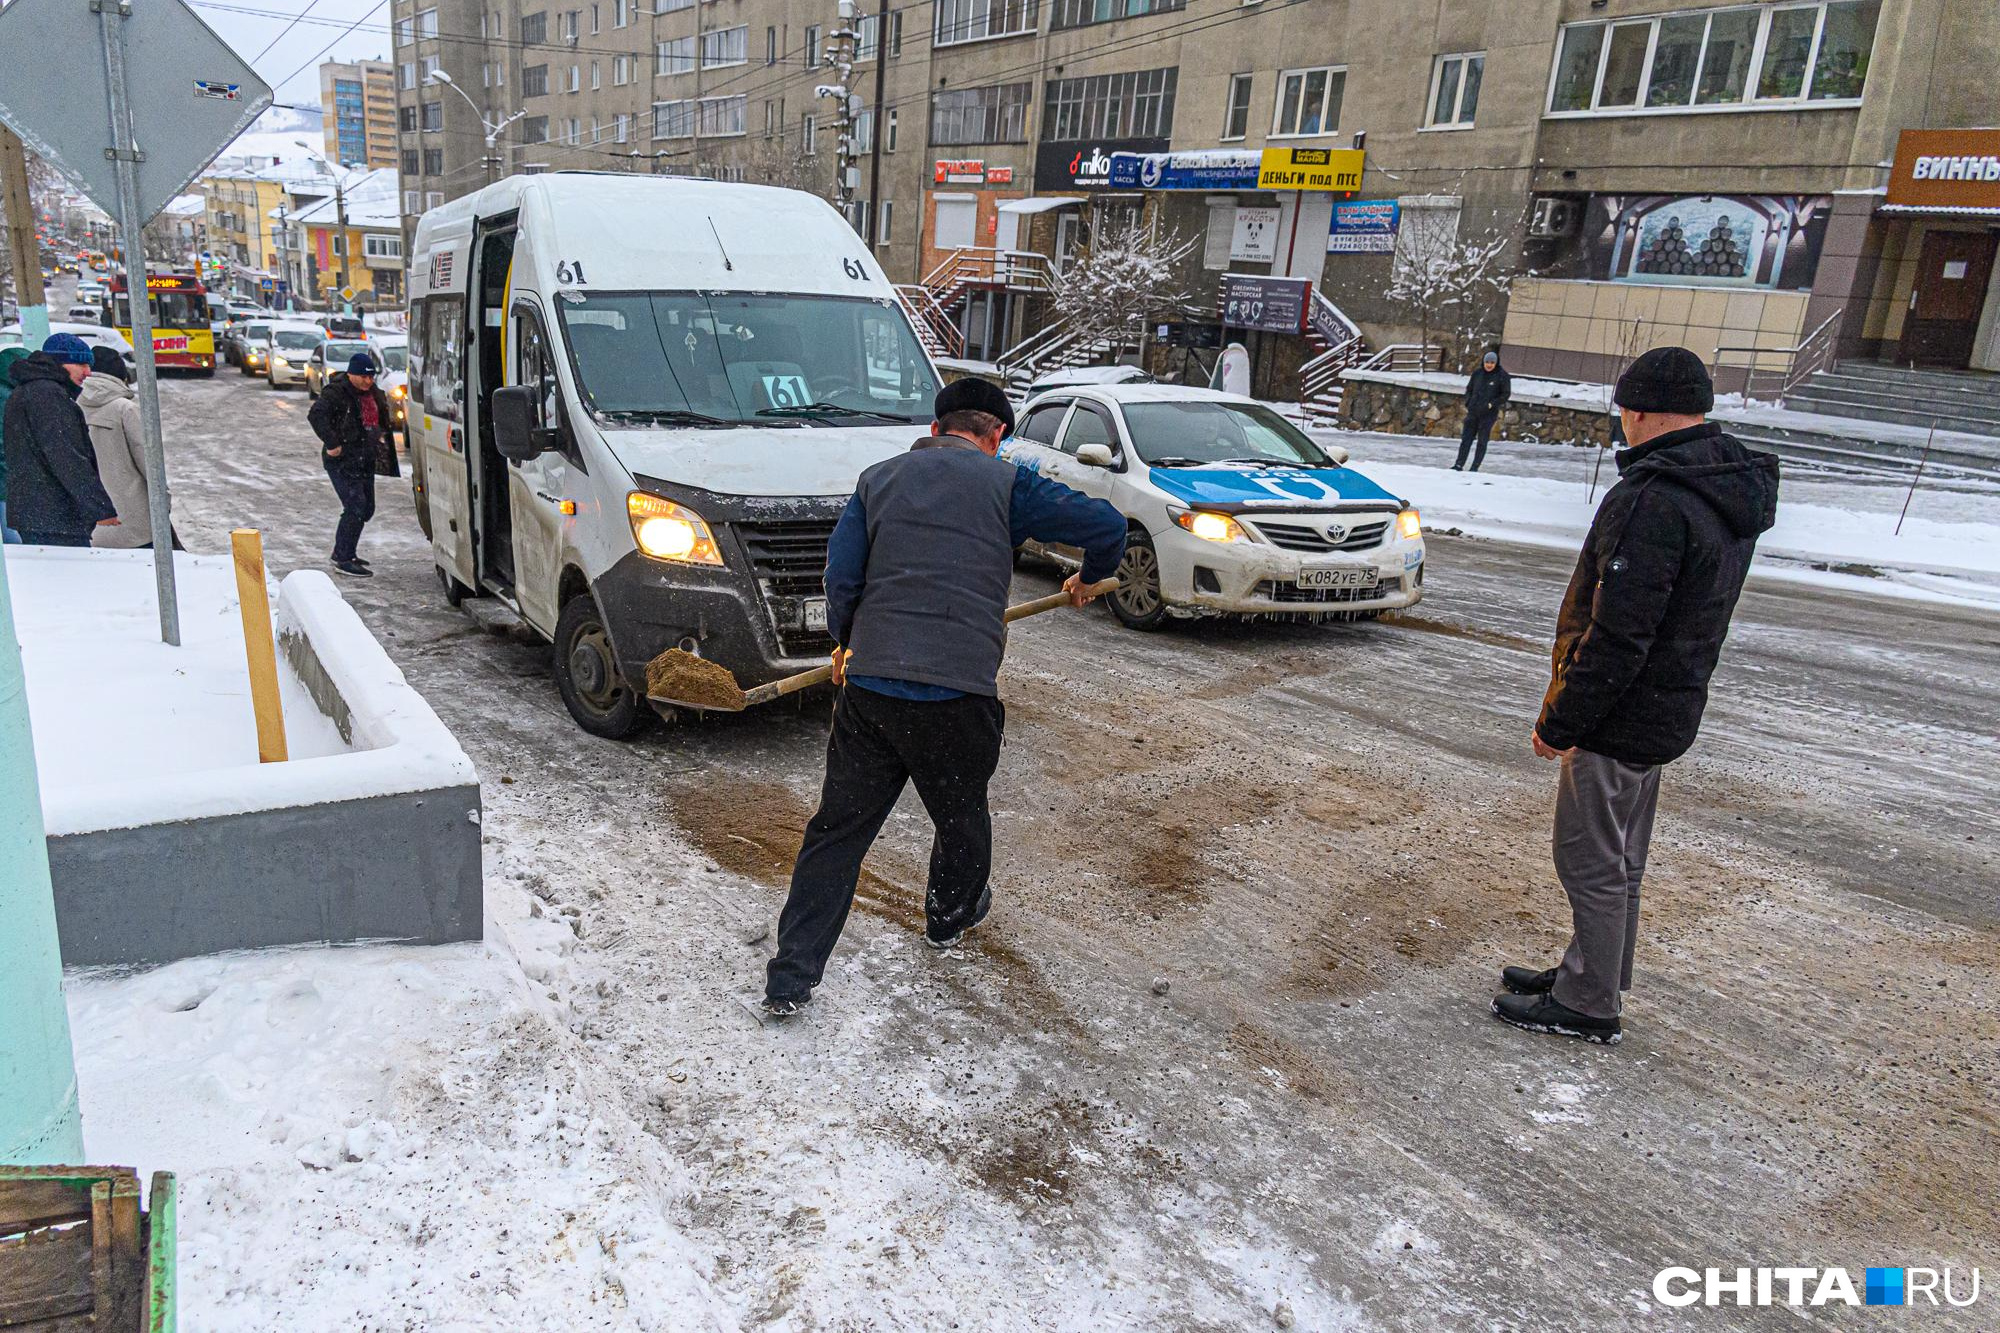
<point>52,484</point>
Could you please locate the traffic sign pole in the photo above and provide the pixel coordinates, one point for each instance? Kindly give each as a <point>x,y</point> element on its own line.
<point>125,156</point>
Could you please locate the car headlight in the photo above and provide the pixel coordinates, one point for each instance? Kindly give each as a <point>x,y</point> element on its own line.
<point>1409,525</point>
<point>668,531</point>
<point>1210,526</point>
<point>399,392</point>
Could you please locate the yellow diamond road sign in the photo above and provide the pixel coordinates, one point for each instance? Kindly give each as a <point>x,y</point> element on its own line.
<point>347,293</point>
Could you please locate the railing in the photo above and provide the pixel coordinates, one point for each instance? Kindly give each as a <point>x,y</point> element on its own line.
<point>1406,357</point>
<point>1779,370</point>
<point>1057,346</point>
<point>985,266</point>
<point>1319,378</point>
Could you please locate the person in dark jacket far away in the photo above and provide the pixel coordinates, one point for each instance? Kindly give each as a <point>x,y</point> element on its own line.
<point>53,495</point>
<point>350,417</point>
<point>917,576</point>
<point>1488,388</point>
<point>8,356</point>
<point>1636,641</point>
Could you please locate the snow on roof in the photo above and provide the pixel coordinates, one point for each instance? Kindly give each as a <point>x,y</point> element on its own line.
<point>186,205</point>
<point>372,200</point>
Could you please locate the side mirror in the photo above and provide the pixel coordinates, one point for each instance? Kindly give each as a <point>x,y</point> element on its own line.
<point>514,431</point>
<point>1094,455</point>
<point>1336,453</point>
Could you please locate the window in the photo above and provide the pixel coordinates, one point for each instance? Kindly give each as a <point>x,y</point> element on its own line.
<point>534,29</point>
<point>808,135</point>
<point>406,119</point>
<point>432,116</point>
<point>1426,226</point>
<point>1079,13</point>
<point>812,45</point>
<point>994,114</point>
<point>534,80</point>
<point>1455,90</point>
<point>864,133</point>
<point>406,75</point>
<point>770,46</point>
<point>442,383</point>
<point>596,75</point>
<point>725,46</point>
<point>427,24</point>
<point>673,120</point>
<point>889,134</point>
<point>671,6</point>
<point>535,129</point>
<point>376,246</point>
<point>1041,424</point>
<point>413,201</point>
<point>1720,58</point>
<point>1236,112</point>
<point>895,33</point>
<point>576,78</point>
<point>433,161</point>
<point>673,57</point>
<point>723,116</point>
<point>622,130</point>
<point>621,13</point>
<point>566,25</point>
<point>410,162</point>
<point>1309,101</point>
<point>621,70</point>
<point>573,131</point>
<point>406,31</point>
<point>977,20</point>
<point>1088,425</point>
<point>888,216</point>
<point>596,16</point>
<point>433,198</point>
<point>867,36</point>
<point>428,66</point>
<point>1110,106</point>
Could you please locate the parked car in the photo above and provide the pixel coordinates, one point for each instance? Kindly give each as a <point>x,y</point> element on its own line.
<point>86,314</point>
<point>332,355</point>
<point>248,345</point>
<point>288,347</point>
<point>1234,510</point>
<point>1078,376</point>
<point>395,377</point>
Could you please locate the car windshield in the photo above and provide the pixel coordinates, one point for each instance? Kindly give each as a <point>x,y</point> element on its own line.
<point>296,340</point>
<point>746,359</point>
<point>396,358</point>
<point>337,353</point>
<point>256,332</point>
<point>1211,432</point>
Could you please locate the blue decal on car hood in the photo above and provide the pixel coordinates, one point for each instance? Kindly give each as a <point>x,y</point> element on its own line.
<point>1231,485</point>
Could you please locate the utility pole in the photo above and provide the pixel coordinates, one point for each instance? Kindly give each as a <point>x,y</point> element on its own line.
<point>340,215</point>
<point>840,57</point>
<point>23,251</point>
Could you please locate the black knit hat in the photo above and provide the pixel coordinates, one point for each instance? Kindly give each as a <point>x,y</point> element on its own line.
<point>973,394</point>
<point>108,361</point>
<point>1666,379</point>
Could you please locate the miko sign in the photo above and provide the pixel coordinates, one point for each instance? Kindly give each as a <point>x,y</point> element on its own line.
<point>189,94</point>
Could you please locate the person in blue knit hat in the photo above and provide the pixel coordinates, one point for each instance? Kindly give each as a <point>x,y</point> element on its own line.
<point>54,497</point>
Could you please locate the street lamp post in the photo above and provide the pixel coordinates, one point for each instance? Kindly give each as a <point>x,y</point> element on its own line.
<point>492,128</point>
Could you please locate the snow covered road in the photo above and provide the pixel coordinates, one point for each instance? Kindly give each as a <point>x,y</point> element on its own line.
<point>1325,839</point>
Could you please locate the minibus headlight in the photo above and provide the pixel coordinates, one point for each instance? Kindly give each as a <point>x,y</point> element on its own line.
<point>1409,525</point>
<point>668,531</point>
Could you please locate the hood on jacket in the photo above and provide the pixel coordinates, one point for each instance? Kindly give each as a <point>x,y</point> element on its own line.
<point>41,366</point>
<point>8,357</point>
<point>1739,484</point>
<point>100,389</point>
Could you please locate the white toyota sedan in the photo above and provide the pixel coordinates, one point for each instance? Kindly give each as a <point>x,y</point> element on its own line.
<point>1233,509</point>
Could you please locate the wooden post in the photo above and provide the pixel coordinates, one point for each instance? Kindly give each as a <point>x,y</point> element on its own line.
<point>247,545</point>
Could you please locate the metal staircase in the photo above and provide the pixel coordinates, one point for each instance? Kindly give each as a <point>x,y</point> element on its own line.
<point>1340,345</point>
<point>932,301</point>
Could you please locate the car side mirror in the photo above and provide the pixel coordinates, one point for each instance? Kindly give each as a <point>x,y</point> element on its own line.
<point>1094,455</point>
<point>1336,453</point>
<point>514,432</point>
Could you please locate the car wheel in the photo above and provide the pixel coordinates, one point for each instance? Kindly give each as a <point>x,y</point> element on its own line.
<point>587,673</point>
<point>1138,603</point>
<point>423,499</point>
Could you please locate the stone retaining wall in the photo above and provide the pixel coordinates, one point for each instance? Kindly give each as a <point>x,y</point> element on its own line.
<point>1425,409</point>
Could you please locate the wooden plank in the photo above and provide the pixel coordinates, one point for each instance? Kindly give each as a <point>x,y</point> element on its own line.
<point>45,1275</point>
<point>247,546</point>
<point>128,1265</point>
<point>26,1205</point>
<point>162,1262</point>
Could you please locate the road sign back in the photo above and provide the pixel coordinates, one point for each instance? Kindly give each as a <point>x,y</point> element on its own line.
<point>190,94</point>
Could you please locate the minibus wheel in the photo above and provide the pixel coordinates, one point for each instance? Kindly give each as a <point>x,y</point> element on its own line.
<point>593,688</point>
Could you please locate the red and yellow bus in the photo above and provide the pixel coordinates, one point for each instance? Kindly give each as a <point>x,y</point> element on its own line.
<point>182,339</point>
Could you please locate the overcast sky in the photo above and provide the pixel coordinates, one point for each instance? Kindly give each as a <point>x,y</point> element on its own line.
<point>322,33</point>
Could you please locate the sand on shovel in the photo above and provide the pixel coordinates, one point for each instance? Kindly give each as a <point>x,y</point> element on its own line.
<point>684,678</point>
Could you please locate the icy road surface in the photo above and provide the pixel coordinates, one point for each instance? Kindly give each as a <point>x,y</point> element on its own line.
<point>1326,839</point>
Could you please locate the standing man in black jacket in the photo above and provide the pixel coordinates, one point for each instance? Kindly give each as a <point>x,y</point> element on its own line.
<point>54,497</point>
<point>351,418</point>
<point>1637,639</point>
<point>1487,390</point>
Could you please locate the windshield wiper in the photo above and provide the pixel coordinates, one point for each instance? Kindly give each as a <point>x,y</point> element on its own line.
<point>1176,462</point>
<point>1274,462</point>
<point>668,417</point>
<point>830,410</point>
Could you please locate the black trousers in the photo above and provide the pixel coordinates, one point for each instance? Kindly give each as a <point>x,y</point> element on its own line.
<point>1478,429</point>
<point>949,749</point>
<point>357,505</point>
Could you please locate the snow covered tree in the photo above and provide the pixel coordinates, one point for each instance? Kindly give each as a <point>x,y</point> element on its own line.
<point>1453,286</point>
<point>1129,273</point>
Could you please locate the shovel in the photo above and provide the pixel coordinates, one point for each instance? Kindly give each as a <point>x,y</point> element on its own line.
<point>685,681</point>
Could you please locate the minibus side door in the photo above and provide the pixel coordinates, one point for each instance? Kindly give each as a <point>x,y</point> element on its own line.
<point>539,488</point>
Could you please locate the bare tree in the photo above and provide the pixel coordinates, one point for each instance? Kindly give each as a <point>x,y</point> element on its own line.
<point>1129,273</point>
<point>1453,285</point>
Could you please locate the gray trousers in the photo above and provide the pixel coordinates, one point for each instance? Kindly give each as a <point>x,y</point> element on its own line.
<point>1604,820</point>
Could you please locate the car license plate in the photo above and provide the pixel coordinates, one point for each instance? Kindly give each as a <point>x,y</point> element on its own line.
<point>813,614</point>
<point>1338,578</point>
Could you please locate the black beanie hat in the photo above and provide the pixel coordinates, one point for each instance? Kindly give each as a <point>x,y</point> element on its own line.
<point>1666,379</point>
<point>973,394</point>
<point>107,361</point>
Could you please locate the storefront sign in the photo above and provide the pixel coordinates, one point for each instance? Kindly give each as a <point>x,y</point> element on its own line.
<point>961,171</point>
<point>1946,169</point>
<point>1086,166</point>
<point>1310,169</point>
<point>1255,237</point>
<point>1271,305</point>
<point>1199,169</point>
<point>1365,228</point>
<point>999,175</point>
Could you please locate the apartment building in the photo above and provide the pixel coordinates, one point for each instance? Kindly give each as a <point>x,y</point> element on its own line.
<point>358,100</point>
<point>1650,170</point>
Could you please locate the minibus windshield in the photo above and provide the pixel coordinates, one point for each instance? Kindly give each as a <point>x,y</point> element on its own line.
<point>730,358</point>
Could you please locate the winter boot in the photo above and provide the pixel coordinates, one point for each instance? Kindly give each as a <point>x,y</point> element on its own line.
<point>1545,1013</point>
<point>1521,981</point>
<point>978,915</point>
<point>354,569</point>
<point>786,1008</point>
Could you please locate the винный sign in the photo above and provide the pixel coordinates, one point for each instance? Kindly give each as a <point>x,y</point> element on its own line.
<point>1945,169</point>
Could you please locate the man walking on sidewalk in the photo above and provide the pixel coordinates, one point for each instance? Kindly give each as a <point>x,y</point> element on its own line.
<point>1637,639</point>
<point>350,417</point>
<point>917,576</point>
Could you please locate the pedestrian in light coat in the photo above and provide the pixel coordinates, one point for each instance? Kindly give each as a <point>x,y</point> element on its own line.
<point>1487,390</point>
<point>1637,639</point>
<point>111,411</point>
<point>54,497</point>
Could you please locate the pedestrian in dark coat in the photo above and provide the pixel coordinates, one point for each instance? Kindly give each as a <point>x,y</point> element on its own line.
<point>1637,639</point>
<point>351,417</point>
<point>8,356</point>
<point>1486,391</point>
<point>917,575</point>
<point>54,497</point>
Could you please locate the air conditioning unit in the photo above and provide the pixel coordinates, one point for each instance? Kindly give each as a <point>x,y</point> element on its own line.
<point>1554,217</point>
